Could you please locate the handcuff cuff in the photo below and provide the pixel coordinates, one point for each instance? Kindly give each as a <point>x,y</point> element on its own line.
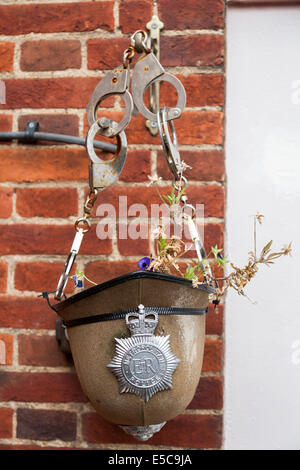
<point>103,173</point>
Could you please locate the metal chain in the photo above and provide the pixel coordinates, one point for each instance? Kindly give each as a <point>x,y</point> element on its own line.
<point>82,226</point>
<point>128,56</point>
<point>138,43</point>
<point>87,210</point>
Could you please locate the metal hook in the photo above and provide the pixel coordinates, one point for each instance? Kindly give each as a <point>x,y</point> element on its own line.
<point>103,173</point>
<point>147,72</point>
<point>169,145</point>
<point>139,41</point>
<point>115,82</point>
<point>68,265</point>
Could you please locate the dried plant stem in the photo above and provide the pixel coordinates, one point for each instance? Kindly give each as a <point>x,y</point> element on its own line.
<point>254,220</point>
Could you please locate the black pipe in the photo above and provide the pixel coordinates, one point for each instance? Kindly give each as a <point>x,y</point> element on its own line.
<point>67,139</point>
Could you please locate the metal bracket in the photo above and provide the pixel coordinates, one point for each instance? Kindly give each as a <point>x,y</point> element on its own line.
<point>61,337</point>
<point>154,26</point>
<point>31,128</point>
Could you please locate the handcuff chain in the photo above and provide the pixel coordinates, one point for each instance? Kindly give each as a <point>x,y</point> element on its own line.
<point>136,45</point>
<point>128,56</point>
<point>87,210</point>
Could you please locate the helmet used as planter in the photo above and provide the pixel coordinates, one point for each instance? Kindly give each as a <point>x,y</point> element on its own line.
<point>152,379</point>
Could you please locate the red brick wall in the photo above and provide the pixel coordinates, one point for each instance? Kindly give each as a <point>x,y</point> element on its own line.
<point>52,55</point>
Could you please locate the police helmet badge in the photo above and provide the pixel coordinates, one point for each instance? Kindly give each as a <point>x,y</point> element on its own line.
<point>144,363</point>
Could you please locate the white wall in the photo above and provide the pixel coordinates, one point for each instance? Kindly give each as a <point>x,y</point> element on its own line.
<point>262,359</point>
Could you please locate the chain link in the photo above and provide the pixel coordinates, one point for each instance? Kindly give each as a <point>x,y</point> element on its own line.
<point>83,223</point>
<point>128,56</point>
<point>138,41</point>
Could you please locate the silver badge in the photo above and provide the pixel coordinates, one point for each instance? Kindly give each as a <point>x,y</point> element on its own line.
<point>144,363</point>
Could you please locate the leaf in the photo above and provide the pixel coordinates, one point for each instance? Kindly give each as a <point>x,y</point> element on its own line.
<point>222,261</point>
<point>162,243</point>
<point>189,272</point>
<point>266,249</point>
<point>274,256</point>
<point>216,251</point>
<point>80,274</point>
<point>177,198</point>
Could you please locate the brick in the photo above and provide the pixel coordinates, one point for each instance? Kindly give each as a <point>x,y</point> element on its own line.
<point>42,387</point>
<point>47,202</point>
<point>134,14</point>
<point>50,55</point>
<point>211,196</point>
<point>3,276</point>
<point>218,272</point>
<point>44,164</point>
<point>34,447</point>
<point>20,312</point>
<point>137,166</point>
<point>200,127</point>
<point>209,394</point>
<point>136,132</point>
<point>194,50</point>
<point>39,276</point>
<point>213,235</point>
<point>134,195</point>
<point>196,431</point>
<point>207,165</point>
<point>48,239</point>
<point>193,128</point>
<point>6,349</point>
<point>46,425</point>
<point>51,18</point>
<point>7,56</point>
<point>101,271</point>
<point>52,123</point>
<point>191,14</point>
<point>5,123</point>
<point>6,423</point>
<point>105,54</point>
<point>132,247</point>
<point>213,351</point>
<point>201,90</point>
<point>41,351</point>
<point>97,430</point>
<point>214,320</point>
<point>5,126</point>
<point>6,195</point>
<point>204,89</point>
<point>65,92</point>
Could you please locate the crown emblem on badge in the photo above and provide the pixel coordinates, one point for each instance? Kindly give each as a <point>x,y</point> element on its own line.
<point>144,363</point>
<point>141,323</point>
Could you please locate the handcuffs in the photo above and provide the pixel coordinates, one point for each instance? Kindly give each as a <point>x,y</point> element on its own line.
<point>103,173</point>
